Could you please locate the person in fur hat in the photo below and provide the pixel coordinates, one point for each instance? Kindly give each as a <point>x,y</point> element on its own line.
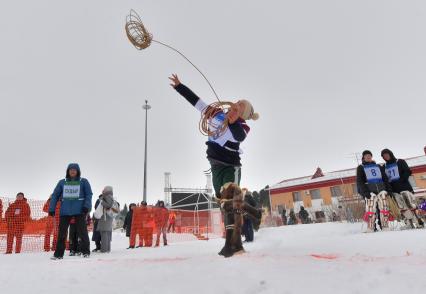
<point>226,129</point>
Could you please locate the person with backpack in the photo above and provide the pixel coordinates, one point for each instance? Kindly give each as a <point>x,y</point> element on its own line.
<point>127,225</point>
<point>75,195</point>
<point>398,173</point>
<point>110,210</point>
<point>373,186</point>
<point>17,214</point>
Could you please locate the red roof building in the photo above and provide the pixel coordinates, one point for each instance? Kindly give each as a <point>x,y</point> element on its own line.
<point>323,189</point>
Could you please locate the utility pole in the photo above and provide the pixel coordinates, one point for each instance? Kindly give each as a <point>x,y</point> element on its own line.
<point>146,107</point>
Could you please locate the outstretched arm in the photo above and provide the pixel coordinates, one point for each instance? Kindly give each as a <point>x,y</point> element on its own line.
<point>187,93</point>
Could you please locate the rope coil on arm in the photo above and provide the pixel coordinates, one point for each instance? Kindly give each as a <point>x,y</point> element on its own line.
<point>208,114</point>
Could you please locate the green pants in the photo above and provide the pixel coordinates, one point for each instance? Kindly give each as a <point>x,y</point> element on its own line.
<point>223,174</point>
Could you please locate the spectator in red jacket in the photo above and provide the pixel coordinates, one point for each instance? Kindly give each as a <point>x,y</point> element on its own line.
<point>172,222</point>
<point>137,226</point>
<point>161,216</point>
<point>17,214</point>
<point>147,224</point>
<point>52,226</point>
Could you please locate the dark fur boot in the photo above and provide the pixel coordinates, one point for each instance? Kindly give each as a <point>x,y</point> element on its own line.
<point>227,250</point>
<point>238,203</point>
<point>232,203</point>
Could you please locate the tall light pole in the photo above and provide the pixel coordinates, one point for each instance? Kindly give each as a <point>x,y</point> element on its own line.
<point>146,107</point>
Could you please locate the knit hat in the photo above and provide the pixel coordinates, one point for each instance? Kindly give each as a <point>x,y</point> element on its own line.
<point>248,111</point>
<point>107,191</point>
<point>366,152</point>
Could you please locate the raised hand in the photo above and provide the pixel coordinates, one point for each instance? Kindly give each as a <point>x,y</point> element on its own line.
<point>175,80</point>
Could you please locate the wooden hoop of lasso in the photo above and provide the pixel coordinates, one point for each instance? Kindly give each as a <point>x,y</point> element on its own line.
<point>141,39</point>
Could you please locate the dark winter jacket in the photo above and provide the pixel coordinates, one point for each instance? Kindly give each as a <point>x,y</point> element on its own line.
<point>128,223</point>
<point>72,204</point>
<point>284,217</point>
<point>292,220</point>
<point>224,149</point>
<point>303,215</point>
<point>398,173</point>
<point>96,236</point>
<point>248,198</point>
<point>375,181</point>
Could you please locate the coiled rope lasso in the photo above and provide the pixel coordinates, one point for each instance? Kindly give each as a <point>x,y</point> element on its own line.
<point>206,125</point>
<point>141,39</point>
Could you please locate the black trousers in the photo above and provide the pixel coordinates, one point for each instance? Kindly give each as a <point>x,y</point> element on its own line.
<point>81,230</point>
<point>248,229</point>
<point>74,241</point>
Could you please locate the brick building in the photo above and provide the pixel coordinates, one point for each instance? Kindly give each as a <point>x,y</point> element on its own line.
<point>325,189</point>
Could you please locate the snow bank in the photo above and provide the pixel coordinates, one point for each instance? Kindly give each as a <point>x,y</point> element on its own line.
<point>320,258</point>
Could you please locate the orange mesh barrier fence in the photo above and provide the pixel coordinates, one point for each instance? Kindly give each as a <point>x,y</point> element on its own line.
<point>25,226</point>
<point>152,224</point>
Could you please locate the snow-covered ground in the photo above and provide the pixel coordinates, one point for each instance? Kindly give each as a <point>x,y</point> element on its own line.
<point>321,258</point>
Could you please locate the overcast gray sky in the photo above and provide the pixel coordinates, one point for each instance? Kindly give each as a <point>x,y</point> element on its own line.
<point>328,78</point>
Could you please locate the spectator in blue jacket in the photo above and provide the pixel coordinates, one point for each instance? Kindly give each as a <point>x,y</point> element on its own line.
<point>75,195</point>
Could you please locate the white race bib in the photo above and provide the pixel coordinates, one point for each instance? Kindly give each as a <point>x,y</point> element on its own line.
<point>392,172</point>
<point>71,190</point>
<point>373,173</point>
<point>216,124</point>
